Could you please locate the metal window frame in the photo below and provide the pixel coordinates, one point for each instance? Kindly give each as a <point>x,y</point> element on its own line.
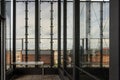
<point>114,38</point>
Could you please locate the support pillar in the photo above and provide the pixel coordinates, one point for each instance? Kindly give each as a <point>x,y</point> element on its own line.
<point>37,25</point>
<point>59,33</point>
<point>14,33</point>
<point>76,38</point>
<point>101,34</point>
<point>51,35</point>
<point>64,33</point>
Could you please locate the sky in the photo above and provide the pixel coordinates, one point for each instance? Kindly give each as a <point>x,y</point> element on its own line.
<point>45,24</point>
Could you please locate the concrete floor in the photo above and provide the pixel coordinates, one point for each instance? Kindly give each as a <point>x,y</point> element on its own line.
<point>37,77</point>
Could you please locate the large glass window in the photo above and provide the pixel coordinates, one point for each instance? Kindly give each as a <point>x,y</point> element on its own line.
<point>25,13</point>
<point>94,39</point>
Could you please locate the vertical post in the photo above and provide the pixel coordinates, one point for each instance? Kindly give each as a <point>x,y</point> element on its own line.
<point>64,32</point>
<point>37,30</point>
<point>26,31</point>
<point>76,38</point>
<point>51,19</point>
<point>10,46</point>
<point>22,44</point>
<point>14,33</point>
<point>3,41</point>
<point>101,34</point>
<point>114,70</point>
<point>3,50</point>
<point>40,33</point>
<point>88,26</point>
<point>0,45</point>
<point>82,50</point>
<point>59,33</point>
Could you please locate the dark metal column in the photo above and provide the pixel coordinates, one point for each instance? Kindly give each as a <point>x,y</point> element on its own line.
<point>3,41</point>
<point>14,33</point>
<point>51,19</point>
<point>59,33</point>
<point>64,33</point>
<point>82,51</point>
<point>40,32</point>
<point>101,34</point>
<point>76,38</point>
<point>0,45</point>
<point>3,66</point>
<point>114,70</point>
<point>10,45</point>
<point>88,26</point>
<point>37,30</point>
<point>26,31</point>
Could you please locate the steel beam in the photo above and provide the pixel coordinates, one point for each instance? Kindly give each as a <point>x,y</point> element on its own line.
<point>76,38</point>
<point>26,31</point>
<point>59,33</point>
<point>40,31</point>
<point>88,27</point>
<point>101,34</point>
<point>3,50</point>
<point>37,25</point>
<point>3,41</point>
<point>64,33</point>
<point>14,33</point>
<point>0,45</point>
<point>51,35</point>
<point>10,45</point>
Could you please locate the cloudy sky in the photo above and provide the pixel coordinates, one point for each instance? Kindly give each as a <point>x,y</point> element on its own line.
<point>45,24</point>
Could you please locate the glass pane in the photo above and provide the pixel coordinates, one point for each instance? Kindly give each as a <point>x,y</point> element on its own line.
<point>8,35</point>
<point>69,54</point>
<point>91,56</point>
